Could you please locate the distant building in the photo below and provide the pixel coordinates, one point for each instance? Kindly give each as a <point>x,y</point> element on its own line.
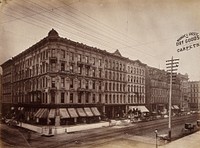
<point>157,91</point>
<point>61,81</point>
<point>194,95</point>
<point>184,81</point>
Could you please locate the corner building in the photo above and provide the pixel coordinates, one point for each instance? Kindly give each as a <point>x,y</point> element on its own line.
<point>59,81</point>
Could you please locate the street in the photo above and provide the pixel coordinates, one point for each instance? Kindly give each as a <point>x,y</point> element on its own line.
<point>137,133</point>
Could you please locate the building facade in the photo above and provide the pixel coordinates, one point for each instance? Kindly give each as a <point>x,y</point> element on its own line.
<point>61,81</point>
<point>157,91</point>
<point>194,95</point>
<point>184,81</point>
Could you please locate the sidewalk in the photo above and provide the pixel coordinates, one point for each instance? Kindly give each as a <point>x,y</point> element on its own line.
<point>190,141</point>
<point>52,130</point>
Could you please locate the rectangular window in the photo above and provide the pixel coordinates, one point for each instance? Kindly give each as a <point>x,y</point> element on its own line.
<point>62,82</point>
<point>62,66</point>
<point>53,82</point>
<point>93,84</point>
<point>71,83</point>
<point>99,97</point>
<point>71,97</point>
<point>79,97</point>
<point>99,62</point>
<point>93,98</point>
<point>62,54</point>
<point>86,84</point>
<point>71,68</point>
<point>79,58</point>
<point>53,53</point>
<point>86,59</point>
<point>62,97</point>
<point>87,97</point>
<point>79,69</point>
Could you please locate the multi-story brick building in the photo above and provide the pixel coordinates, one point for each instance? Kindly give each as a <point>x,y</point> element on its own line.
<point>7,86</point>
<point>194,95</point>
<point>64,80</point>
<point>157,91</point>
<point>184,86</point>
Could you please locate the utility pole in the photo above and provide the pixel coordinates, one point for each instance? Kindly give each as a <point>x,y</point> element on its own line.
<point>171,68</point>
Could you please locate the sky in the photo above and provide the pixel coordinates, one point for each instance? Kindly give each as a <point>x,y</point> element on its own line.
<point>145,30</point>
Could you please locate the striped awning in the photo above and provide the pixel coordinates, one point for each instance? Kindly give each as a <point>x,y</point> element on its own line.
<point>81,112</point>
<point>64,113</point>
<point>52,113</point>
<point>95,111</point>
<point>88,112</point>
<point>72,113</point>
<point>42,113</point>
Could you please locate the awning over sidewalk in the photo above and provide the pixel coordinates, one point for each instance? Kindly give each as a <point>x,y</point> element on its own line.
<point>88,111</point>
<point>42,113</point>
<point>52,113</point>
<point>141,108</point>
<point>81,112</point>
<point>95,111</point>
<point>38,112</point>
<point>72,112</point>
<point>64,113</point>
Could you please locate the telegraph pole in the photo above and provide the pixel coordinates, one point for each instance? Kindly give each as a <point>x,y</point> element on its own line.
<point>171,68</point>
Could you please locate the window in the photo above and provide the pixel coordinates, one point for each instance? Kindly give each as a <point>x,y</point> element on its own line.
<point>93,84</point>
<point>62,97</point>
<point>53,82</point>
<point>79,69</point>
<point>99,97</point>
<point>86,84</point>
<point>71,68</point>
<point>87,71</point>
<point>71,97</point>
<point>86,59</point>
<point>99,62</point>
<point>53,66</point>
<point>93,98</point>
<point>62,66</point>
<point>93,72</point>
<point>62,54</point>
<point>53,53</point>
<point>79,97</point>
<point>71,83</point>
<point>62,82</point>
<point>106,98</point>
<point>99,73</point>
<point>79,83</point>
<point>87,98</point>
<point>93,61</point>
<point>99,85</point>
<point>79,58</point>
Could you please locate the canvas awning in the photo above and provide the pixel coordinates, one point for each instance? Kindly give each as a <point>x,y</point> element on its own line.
<point>52,113</point>
<point>72,112</point>
<point>88,111</point>
<point>38,112</point>
<point>81,112</point>
<point>44,114</point>
<point>141,108</point>
<point>64,113</point>
<point>95,111</point>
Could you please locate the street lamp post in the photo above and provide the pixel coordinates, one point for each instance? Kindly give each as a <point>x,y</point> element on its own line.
<point>156,132</point>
